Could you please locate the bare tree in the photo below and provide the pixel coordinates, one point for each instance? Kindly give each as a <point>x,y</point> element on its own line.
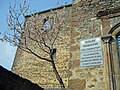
<point>29,30</point>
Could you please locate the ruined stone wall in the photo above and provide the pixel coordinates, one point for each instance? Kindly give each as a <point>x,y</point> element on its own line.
<point>39,71</point>
<point>85,25</point>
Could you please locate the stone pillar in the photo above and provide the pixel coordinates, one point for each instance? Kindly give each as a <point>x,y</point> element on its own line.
<point>107,41</point>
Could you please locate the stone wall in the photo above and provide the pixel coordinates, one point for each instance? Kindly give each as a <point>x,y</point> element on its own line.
<point>85,25</point>
<point>40,71</point>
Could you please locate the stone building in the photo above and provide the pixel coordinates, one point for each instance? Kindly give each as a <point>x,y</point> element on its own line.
<point>86,21</point>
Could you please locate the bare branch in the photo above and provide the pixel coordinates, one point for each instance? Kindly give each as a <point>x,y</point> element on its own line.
<point>38,55</point>
<point>32,33</point>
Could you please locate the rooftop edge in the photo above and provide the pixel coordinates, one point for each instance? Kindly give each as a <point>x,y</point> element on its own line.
<point>51,9</point>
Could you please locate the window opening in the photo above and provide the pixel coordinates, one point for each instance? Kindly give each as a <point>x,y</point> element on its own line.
<point>53,52</point>
<point>118,45</point>
<point>47,24</point>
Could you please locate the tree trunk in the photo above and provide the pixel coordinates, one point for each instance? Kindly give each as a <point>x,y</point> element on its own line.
<point>58,76</point>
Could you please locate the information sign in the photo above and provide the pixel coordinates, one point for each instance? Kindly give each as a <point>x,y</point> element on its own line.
<point>91,52</point>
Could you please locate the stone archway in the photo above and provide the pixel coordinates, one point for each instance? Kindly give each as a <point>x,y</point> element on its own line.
<point>114,56</point>
<point>115,30</point>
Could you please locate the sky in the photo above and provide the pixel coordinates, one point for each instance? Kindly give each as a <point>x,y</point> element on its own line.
<point>7,51</point>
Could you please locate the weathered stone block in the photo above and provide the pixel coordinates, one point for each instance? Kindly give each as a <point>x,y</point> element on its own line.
<point>77,84</point>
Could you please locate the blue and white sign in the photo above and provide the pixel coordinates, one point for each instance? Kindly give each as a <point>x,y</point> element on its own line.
<point>91,52</point>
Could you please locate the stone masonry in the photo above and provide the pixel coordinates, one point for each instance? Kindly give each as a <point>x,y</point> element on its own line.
<point>39,71</point>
